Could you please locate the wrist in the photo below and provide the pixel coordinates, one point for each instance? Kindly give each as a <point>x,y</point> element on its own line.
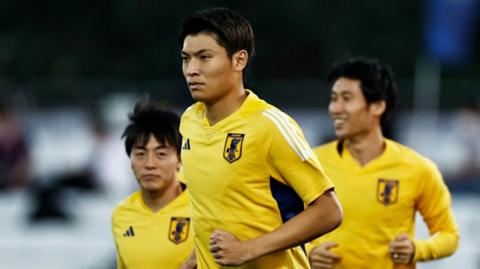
<point>262,245</point>
<point>412,256</point>
<point>250,250</point>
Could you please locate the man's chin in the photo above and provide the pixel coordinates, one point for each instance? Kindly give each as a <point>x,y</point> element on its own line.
<point>200,96</point>
<point>196,98</point>
<point>151,187</point>
<point>340,135</point>
<point>196,95</point>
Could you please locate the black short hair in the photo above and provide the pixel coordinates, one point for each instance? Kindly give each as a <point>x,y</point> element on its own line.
<point>232,30</point>
<point>376,81</point>
<point>150,118</point>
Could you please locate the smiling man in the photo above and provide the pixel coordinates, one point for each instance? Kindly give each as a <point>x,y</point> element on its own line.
<point>151,227</point>
<point>249,170</point>
<point>380,183</point>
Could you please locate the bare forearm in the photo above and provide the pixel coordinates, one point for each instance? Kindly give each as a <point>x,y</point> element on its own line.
<point>322,216</point>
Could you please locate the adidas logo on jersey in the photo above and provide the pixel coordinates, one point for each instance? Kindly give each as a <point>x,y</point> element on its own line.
<point>129,232</point>
<point>186,145</point>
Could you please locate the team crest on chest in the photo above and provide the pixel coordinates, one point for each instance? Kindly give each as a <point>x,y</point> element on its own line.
<point>232,150</point>
<point>179,227</point>
<point>387,191</point>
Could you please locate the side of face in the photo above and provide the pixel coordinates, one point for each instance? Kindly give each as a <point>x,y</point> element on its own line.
<point>348,108</point>
<point>208,70</point>
<point>155,165</point>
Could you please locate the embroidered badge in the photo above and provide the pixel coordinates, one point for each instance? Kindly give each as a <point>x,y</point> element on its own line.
<point>387,191</point>
<point>233,147</point>
<point>179,227</point>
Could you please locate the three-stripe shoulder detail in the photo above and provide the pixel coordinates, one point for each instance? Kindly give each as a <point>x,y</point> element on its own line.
<point>290,132</point>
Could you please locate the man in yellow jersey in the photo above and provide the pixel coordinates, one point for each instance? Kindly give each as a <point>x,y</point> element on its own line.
<point>246,162</point>
<point>152,227</point>
<point>380,183</point>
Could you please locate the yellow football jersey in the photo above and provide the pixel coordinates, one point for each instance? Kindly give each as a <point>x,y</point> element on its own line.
<point>379,202</point>
<point>247,174</point>
<point>146,240</point>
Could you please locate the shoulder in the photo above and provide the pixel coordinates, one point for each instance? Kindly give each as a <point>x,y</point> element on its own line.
<point>192,111</point>
<point>279,126</point>
<point>183,199</point>
<point>263,117</point>
<point>273,118</point>
<point>253,108</point>
<point>284,134</point>
<point>125,204</point>
<point>191,114</point>
<point>410,156</point>
<point>326,149</point>
<point>179,206</point>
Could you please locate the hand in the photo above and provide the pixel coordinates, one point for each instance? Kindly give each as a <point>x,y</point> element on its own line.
<point>402,249</point>
<point>229,250</point>
<point>191,263</point>
<point>321,257</point>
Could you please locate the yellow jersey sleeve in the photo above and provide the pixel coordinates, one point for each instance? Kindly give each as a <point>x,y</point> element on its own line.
<point>434,204</point>
<point>120,263</point>
<point>293,158</point>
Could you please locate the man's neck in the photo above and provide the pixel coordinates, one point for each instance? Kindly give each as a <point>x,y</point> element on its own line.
<point>366,147</point>
<point>225,106</point>
<point>157,200</point>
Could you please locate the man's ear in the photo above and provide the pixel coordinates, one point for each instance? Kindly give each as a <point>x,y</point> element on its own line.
<point>179,164</point>
<point>240,60</point>
<point>378,107</point>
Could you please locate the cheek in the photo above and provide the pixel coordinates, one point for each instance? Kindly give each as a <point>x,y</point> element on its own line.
<point>330,108</point>
<point>184,70</point>
<point>362,119</point>
<point>354,109</point>
<point>217,70</point>
<point>136,167</point>
<point>170,166</point>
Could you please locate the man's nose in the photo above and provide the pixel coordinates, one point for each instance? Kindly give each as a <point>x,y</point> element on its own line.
<point>150,162</point>
<point>192,68</point>
<point>335,107</point>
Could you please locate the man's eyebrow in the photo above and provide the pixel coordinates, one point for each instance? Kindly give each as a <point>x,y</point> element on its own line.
<point>200,51</point>
<point>163,146</point>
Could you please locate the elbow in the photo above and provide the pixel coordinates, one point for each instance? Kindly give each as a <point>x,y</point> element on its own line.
<point>337,216</point>
<point>455,242</point>
<point>335,212</point>
<point>329,214</point>
<point>451,239</point>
